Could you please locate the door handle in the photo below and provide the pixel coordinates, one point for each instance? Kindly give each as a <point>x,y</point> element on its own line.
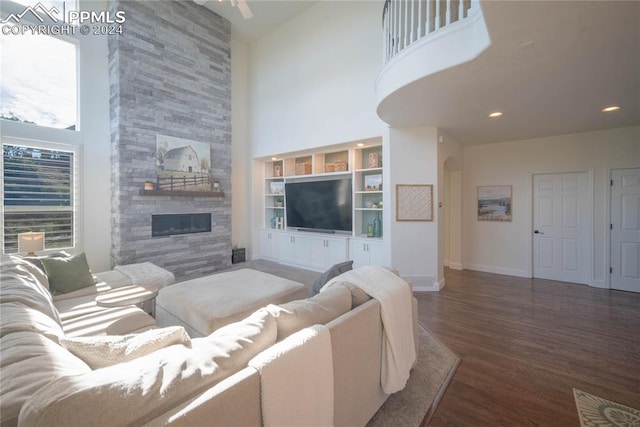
<point>537,232</point>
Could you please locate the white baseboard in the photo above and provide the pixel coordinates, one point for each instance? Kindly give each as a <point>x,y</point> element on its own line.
<point>497,270</point>
<point>424,283</point>
<point>599,284</point>
<point>455,265</point>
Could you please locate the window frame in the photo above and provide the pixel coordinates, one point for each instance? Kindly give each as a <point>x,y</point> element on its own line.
<point>8,7</point>
<point>75,43</point>
<point>39,136</point>
<point>92,139</point>
<point>76,149</point>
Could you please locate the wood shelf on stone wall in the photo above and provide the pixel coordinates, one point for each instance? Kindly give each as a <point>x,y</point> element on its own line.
<point>180,193</point>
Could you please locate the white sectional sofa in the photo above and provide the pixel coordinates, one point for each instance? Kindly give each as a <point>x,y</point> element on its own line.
<point>218,378</point>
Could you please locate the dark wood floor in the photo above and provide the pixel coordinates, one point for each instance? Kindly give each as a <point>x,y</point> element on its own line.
<point>526,343</point>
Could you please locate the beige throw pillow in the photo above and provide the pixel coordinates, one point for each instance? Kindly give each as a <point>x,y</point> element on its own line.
<point>33,269</point>
<point>137,392</point>
<point>318,310</point>
<point>102,351</point>
<point>358,296</point>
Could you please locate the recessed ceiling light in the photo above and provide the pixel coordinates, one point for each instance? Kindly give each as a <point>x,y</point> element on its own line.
<point>274,158</point>
<point>360,144</point>
<point>495,114</point>
<point>610,109</point>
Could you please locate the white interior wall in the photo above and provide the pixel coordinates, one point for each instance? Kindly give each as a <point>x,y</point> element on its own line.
<point>312,84</point>
<point>313,79</point>
<point>505,248</point>
<point>240,148</point>
<point>95,134</point>
<point>413,156</point>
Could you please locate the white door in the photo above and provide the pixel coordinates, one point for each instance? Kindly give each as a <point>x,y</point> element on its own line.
<point>625,229</point>
<point>561,221</point>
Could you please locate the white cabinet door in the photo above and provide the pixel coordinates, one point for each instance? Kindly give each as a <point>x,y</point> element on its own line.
<point>326,251</point>
<point>293,249</point>
<point>301,249</point>
<point>268,245</point>
<point>376,253</point>
<point>307,251</point>
<point>366,252</point>
<point>358,253</point>
<point>336,252</point>
<point>285,247</point>
<point>317,253</point>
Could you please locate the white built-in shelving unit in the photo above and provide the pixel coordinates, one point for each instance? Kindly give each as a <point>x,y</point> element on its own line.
<point>316,250</point>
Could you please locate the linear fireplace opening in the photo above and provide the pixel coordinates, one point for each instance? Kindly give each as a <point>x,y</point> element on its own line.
<point>171,224</point>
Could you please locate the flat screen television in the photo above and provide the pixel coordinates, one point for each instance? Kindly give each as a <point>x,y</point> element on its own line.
<point>319,205</point>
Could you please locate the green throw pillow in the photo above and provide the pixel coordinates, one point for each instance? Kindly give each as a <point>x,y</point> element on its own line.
<point>68,274</point>
<point>37,260</point>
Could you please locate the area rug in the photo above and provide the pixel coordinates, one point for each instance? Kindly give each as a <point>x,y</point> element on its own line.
<point>428,381</point>
<point>595,411</point>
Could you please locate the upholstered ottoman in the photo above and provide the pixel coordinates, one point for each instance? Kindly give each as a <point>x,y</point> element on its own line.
<point>208,303</point>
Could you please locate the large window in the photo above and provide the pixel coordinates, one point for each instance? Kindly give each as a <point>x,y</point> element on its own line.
<point>39,86</point>
<point>38,195</point>
<point>39,80</point>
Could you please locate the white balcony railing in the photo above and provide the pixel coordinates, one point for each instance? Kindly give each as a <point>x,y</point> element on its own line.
<point>407,21</point>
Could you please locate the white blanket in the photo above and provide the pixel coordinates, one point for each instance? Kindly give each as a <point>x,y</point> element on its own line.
<point>398,345</point>
<point>147,275</point>
<point>296,378</point>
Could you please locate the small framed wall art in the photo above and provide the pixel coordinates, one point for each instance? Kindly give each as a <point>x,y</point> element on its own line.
<point>414,202</point>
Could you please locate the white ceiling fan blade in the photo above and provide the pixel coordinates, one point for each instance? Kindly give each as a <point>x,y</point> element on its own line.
<point>244,9</point>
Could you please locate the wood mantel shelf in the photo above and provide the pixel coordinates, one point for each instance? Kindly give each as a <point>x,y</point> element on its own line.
<point>180,193</point>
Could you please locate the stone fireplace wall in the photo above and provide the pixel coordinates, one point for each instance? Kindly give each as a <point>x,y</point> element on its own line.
<point>170,74</point>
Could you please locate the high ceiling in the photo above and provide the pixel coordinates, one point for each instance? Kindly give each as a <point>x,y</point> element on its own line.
<point>267,15</point>
<point>551,67</point>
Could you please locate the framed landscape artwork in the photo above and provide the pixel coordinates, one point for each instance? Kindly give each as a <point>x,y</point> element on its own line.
<point>494,203</point>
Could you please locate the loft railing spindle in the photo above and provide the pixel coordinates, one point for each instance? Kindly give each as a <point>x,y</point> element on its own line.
<point>395,26</point>
<point>407,21</point>
<point>420,23</point>
<point>413,21</point>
